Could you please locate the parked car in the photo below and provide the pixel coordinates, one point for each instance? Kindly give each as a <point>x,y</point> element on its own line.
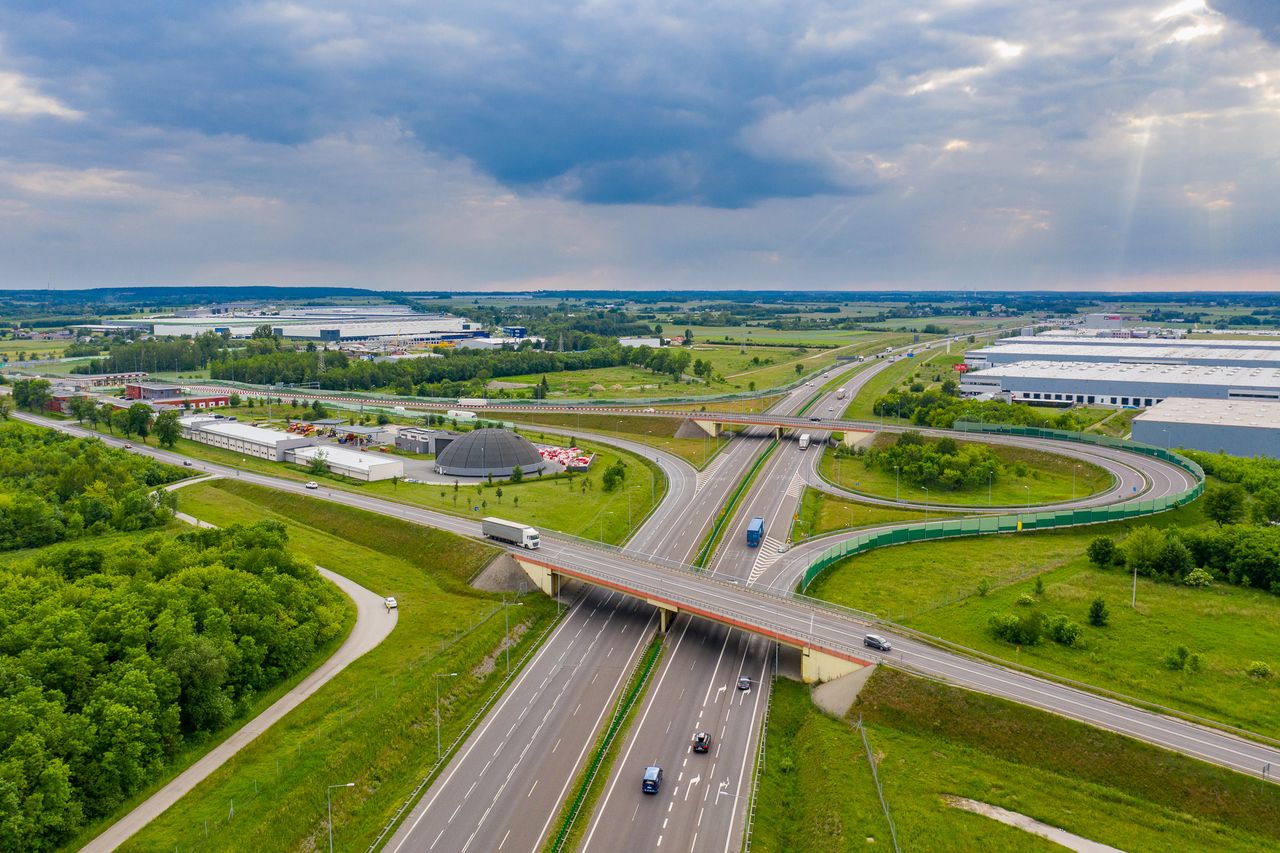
<point>312,484</point>
<point>702,741</point>
<point>744,683</point>
<point>875,641</point>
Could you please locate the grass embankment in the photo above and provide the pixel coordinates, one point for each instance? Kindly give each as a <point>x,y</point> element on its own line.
<point>1049,478</point>
<point>575,814</point>
<point>933,587</point>
<point>932,742</point>
<point>556,503</point>
<point>822,513</point>
<point>1118,424</point>
<point>927,365</point>
<point>374,723</point>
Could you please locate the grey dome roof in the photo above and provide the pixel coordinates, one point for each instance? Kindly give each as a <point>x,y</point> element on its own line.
<point>488,449</point>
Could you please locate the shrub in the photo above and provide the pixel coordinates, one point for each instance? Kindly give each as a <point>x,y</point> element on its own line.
<point>1182,659</point>
<point>1143,550</point>
<point>1175,560</point>
<point>1099,615</point>
<point>1103,552</point>
<point>1039,585</point>
<point>984,588</point>
<point>1259,669</point>
<point>1026,599</point>
<point>1198,577</point>
<point>1064,631</point>
<point>1024,630</point>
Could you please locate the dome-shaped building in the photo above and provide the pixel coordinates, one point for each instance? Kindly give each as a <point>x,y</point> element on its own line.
<point>489,451</point>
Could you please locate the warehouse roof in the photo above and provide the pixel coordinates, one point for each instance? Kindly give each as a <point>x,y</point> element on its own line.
<point>346,458</point>
<point>1178,374</point>
<point>235,429</point>
<point>1075,341</point>
<point>1167,352</point>
<point>1191,410</point>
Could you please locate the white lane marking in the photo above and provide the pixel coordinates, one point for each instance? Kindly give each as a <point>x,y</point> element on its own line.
<point>530,794</point>
<point>504,839</point>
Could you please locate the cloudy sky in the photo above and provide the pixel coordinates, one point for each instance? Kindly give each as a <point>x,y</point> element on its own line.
<point>1102,144</point>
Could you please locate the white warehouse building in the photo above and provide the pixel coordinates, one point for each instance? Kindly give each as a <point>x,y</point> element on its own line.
<point>368,467</point>
<point>1238,427</point>
<point>242,438</point>
<point>1114,353</point>
<point>1126,385</point>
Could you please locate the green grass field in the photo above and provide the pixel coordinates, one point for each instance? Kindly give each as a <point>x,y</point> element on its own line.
<point>1050,478</point>
<point>1118,423</point>
<point>933,587</point>
<point>822,513</point>
<point>374,723</point>
<point>932,742</point>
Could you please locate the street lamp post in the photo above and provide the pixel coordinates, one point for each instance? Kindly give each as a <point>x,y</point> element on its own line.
<point>896,470</point>
<point>990,474</point>
<point>328,799</point>
<point>440,675</point>
<point>506,614</point>
<point>1028,488</point>
<point>926,504</point>
<point>1074,469</point>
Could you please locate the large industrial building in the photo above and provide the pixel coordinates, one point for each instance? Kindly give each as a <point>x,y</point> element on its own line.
<point>369,467</point>
<point>1115,352</point>
<point>1238,427</point>
<point>1059,339</point>
<point>242,438</point>
<point>1132,385</point>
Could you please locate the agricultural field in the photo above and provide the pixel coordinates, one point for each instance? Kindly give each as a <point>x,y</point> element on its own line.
<point>952,588</point>
<point>374,724</point>
<point>934,743</point>
<point>1044,478</point>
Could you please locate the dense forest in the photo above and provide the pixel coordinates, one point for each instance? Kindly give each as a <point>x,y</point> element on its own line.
<point>114,657</point>
<point>55,487</point>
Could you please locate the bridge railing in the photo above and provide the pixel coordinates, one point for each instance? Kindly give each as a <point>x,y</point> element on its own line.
<point>1015,522</point>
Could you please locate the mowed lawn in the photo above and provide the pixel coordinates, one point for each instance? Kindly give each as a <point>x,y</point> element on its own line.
<point>1049,478</point>
<point>653,431</point>
<point>934,587</point>
<point>374,723</point>
<point>823,513</point>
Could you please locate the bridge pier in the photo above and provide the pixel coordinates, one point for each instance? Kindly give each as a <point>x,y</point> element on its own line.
<point>817,666</point>
<point>545,579</point>
<point>696,428</point>
<point>665,614</point>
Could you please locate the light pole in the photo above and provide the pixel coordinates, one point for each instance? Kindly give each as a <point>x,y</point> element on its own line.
<point>440,675</point>
<point>926,504</point>
<point>990,474</point>
<point>1073,481</point>
<point>506,614</point>
<point>328,799</point>
<point>1028,488</point>
<point>896,469</point>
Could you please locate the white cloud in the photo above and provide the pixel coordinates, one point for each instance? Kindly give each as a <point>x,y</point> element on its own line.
<point>19,98</point>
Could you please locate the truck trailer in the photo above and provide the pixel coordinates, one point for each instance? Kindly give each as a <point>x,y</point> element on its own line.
<point>840,394</point>
<point>755,532</point>
<point>804,441</point>
<point>510,532</point>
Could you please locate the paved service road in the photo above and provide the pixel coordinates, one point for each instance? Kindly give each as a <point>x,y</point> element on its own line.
<point>373,624</point>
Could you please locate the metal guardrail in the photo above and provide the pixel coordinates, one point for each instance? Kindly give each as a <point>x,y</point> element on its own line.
<point>1016,522</point>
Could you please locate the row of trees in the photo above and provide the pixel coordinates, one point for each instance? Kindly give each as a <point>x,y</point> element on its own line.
<point>937,408</point>
<point>943,463</point>
<point>54,487</point>
<point>1244,555</point>
<point>113,659</point>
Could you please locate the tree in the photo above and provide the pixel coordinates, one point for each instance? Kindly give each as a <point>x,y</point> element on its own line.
<point>318,465</point>
<point>688,337</point>
<point>799,369</point>
<point>139,415</point>
<point>1142,550</point>
<point>1039,585</point>
<point>1175,559</point>
<point>1099,615</point>
<point>166,429</point>
<point>1225,504</point>
<point>517,474</point>
<point>80,408</point>
<point>234,400</point>
<point>120,421</point>
<point>6,406</point>
<point>498,493</point>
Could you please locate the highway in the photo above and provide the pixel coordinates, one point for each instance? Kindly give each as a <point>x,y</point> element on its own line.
<point>761,608</point>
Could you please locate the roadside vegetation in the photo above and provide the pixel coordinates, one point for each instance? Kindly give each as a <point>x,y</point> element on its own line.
<point>933,742</point>
<point>933,367</point>
<point>373,724</point>
<point>821,512</point>
<point>1195,642</point>
<point>963,473</point>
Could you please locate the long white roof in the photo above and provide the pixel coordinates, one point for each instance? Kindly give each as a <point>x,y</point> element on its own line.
<point>1191,410</point>
<point>235,429</point>
<point>1109,351</point>
<point>1179,374</point>
<point>347,458</point>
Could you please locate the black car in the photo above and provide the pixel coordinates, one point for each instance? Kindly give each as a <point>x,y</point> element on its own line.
<point>875,641</point>
<point>814,418</point>
<point>702,742</point>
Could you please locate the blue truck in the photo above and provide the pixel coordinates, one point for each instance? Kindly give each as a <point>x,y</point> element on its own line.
<point>755,532</point>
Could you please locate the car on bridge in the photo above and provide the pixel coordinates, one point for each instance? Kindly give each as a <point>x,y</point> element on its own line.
<point>875,641</point>
<point>702,742</point>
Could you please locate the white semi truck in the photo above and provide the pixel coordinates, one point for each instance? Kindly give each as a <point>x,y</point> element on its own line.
<point>840,394</point>
<point>511,532</point>
<point>804,441</point>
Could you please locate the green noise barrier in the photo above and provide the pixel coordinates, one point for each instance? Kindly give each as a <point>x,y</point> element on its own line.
<point>1016,522</point>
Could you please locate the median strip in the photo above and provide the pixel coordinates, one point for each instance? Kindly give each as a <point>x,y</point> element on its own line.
<point>727,512</point>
